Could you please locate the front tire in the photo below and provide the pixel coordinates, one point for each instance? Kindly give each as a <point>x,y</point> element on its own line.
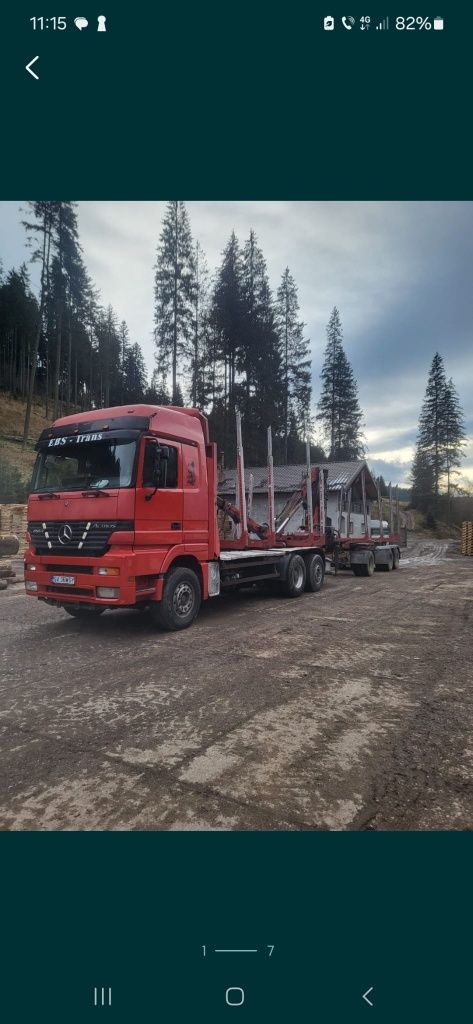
<point>315,573</point>
<point>294,584</point>
<point>181,600</point>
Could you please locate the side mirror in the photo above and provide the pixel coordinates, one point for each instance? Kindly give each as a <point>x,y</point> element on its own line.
<point>161,454</point>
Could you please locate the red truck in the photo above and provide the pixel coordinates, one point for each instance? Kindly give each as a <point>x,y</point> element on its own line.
<point>124,512</point>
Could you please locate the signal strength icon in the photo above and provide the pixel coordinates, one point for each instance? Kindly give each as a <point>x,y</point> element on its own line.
<point>384,24</point>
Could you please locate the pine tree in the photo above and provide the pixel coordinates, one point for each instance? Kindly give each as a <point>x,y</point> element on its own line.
<point>339,410</point>
<point>174,293</point>
<point>295,360</point>
<point>227,317</point>
<point>201,362</point>
<point>18,319</point>
<point>41,228</point>
<point>124,336</point>
<point>431,421</point>
<point>108,358</point>
<point>454,436</point>
<point>422,481</point>
<point>67,256</point>
<point>259,358</point>
<point>157,393</point>
<point>134,375</point>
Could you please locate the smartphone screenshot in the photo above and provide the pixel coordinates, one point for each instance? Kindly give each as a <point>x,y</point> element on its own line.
<point>236,514</point>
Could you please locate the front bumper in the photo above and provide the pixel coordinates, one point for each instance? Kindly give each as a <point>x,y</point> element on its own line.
<point>137,581</point>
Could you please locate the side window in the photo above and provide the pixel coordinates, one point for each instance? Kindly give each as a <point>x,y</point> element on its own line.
<point>168,469</point>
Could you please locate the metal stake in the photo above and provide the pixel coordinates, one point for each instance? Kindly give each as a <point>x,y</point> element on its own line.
<point>271,523</point>
<point>310,514</point>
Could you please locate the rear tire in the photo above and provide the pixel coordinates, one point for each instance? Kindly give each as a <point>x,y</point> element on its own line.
<point>315,570</point>
<point>367,568</point>
<point>387,566</point>
<point>181,600</point>
<point>78,612</point>
<point>294,584</point>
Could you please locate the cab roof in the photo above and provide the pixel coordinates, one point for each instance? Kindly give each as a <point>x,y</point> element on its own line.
<point>166,420</point>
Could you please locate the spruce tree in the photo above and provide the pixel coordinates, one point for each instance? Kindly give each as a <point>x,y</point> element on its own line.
<point>338,408</point>
<point>295,360</point>
<point>259,360</point>
<point>422,481</point>
<point>432,422</point>
<point>135,380</point>
<point>201,362</point>
<point>39,232</point>
<point>157,393</point>
<point>227,316</point>
<point>174,293</point>
<point>124,336</point>
<point>454,436</point>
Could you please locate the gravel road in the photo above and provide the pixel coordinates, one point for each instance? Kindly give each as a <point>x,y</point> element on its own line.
<point>350,709</point>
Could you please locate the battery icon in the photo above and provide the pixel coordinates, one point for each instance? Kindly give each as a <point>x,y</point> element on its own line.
<point>438,24</point>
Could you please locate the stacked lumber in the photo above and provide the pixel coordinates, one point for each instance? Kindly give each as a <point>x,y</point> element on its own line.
<point>467,539</point>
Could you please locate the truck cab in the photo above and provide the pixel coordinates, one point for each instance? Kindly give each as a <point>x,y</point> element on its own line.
<point>119,496</point>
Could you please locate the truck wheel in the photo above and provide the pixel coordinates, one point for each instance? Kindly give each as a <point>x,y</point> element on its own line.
<point>78,612</point>
<point>180,602</point>
<point>369,566</point>
<point>396,558</point>
<point>356,570</point>
<point>294,584</point>
<point>387,566</point>
<point>315,573</point>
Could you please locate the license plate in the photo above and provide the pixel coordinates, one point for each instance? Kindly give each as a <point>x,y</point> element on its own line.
<point>70,580</point>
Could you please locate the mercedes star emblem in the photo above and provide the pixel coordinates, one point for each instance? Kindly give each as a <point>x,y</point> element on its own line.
<point>64,534</point>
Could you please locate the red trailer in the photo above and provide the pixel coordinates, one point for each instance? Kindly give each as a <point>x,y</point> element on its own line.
<point>124,512</point>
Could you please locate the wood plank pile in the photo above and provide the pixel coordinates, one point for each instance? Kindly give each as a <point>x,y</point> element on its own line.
<point>467,539</point>
<point>13,526</point>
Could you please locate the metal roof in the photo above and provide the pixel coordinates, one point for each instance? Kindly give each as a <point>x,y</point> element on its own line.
<point>341,475</point>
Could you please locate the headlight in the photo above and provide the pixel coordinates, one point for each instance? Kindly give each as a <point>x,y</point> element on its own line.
<point>31,585</point>
<point>108,592</point>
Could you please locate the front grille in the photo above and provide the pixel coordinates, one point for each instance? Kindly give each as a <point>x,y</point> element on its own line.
<point>68,569</point>
<point>76,592</point>
<point>74,537</point>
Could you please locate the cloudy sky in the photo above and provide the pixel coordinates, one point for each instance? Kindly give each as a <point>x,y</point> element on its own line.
<point>400,273</point>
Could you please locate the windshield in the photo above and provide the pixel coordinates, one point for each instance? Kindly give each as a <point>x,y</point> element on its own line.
<point>97,465</point>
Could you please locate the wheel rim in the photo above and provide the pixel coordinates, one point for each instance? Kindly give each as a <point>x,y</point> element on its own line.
<point>297,576</point>
<point>183,599</point>
<point>318,574</point>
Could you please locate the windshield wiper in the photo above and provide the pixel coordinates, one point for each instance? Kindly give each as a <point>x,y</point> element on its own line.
<point>44,495</point>
<point>95,492</point>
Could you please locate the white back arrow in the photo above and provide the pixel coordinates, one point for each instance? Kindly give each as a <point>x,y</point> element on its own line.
<point>366,994</point>
<point>28,68</point>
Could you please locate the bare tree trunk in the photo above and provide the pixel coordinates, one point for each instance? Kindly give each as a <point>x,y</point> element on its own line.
<point>57,368</point>
<point>174,344</point>
<point>34,354</point>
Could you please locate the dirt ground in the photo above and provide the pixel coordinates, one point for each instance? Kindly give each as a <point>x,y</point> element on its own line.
<point>350,709</point>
